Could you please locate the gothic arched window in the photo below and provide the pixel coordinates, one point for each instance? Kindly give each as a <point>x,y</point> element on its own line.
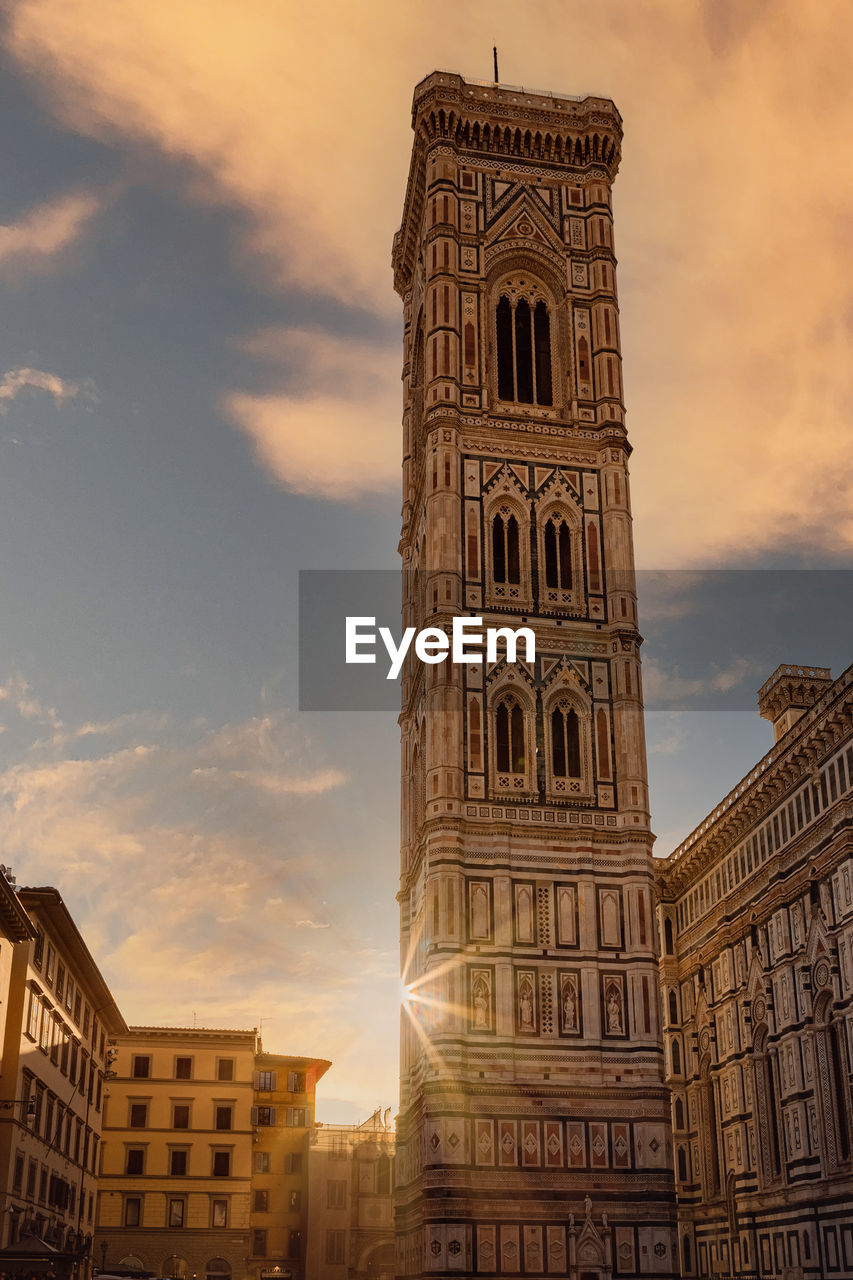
<point>506,564</point>
<point>679,1114</point>
<point>673,1008</point>
<point>523,328</point>
<point>558,553</point>
<point>509,737</point>
<point>565,741</point>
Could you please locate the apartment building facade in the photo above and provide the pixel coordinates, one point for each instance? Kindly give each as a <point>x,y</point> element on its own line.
<point>282,1116</point>
<point>59,1015</point>
<point>350,1200</point>
<point>175,1189</point>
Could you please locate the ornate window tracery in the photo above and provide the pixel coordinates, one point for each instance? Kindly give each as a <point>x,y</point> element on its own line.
<point>568,748</point>
<point>523,343</point>
<point>508,553</point>
<point>512,744</point>
<point>560,541</point>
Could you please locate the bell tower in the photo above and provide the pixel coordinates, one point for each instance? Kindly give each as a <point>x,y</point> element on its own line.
<point>534,1132</point>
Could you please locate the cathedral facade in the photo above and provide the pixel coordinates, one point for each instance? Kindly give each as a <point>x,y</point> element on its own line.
<point>756,915</point>
<point>534,1134</point>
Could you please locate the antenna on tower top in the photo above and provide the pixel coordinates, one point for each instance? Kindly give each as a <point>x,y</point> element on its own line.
<point>495,56</point>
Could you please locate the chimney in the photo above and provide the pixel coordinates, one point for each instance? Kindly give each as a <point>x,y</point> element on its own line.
<point>789,693</point>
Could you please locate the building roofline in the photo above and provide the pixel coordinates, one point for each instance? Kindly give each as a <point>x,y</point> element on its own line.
<point>48,901</point>
<point>13,916</point>
<point>200,1033</point>
<point>681,861</point>
<point>291,1059</point>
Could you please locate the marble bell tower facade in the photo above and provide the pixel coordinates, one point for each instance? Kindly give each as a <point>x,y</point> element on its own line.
<point>534,1134</point>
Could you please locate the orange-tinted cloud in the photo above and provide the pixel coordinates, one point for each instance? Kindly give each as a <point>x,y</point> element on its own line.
<point>14,381</point>
<point>41,236</point>
<point>733,213</point>
<point>333,432</point>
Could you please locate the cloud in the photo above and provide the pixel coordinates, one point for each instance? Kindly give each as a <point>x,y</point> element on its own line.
<point>229,89</point>
<point>42,235</point>
<point>199,851</point>
<point>14,381</point>
<point>333,431</point>
<point>735,317</point>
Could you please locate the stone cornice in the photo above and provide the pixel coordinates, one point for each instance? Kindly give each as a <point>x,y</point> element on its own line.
<point>758,794</point>
<point>498,121</point>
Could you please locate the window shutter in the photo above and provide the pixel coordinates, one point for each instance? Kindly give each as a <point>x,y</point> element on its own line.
<point>254,1115</point>
<point>289,1121</point>
<point>273,1081</point>
<point>272,1115</point>
<point>292,1081</point>
<point>256,1079</point>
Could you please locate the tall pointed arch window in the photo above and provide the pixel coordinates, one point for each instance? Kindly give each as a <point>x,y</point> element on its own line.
<point>565,741</point>
<point>523,332</point>
<point>559,536</point>
<point>512,744</point>
<point>509,737</point>
<point>507,552</point>
<point>506,562</point>
<point>558,553</point>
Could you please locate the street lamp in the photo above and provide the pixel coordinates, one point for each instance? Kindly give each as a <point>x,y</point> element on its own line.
<point>8,1103</point>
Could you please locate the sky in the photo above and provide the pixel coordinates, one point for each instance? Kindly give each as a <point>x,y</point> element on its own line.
<point>199,397</point>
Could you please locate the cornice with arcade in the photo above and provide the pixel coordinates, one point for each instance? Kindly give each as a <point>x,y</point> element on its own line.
<point>786,765</point>
<point>782,879</point>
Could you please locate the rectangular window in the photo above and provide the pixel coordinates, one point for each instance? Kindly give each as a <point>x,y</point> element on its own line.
<point>263,1116</point>
<point>336,1241</point>
<point>38,949</point>
<point>69,995</point>
<point>60,981</point>
<point>178,1163</point>
<point>833,784</point>
<point>132,1211</point>
<point>138,1115</point>
<point>32,1170</point>
<point>224,1068</point>
<point>78,1000</point>
<point>296,1081</point>
<point>50,968</point>
<point>18,1175</point>
<point>223,1117</point>
<point>259,1243</point>
<point>261,1201</point>
<point>181,1115</point>
<point>296,1117</point>
<point>294,1244</point>
<point>261,1162</point>
<point>219,1213</point>
<point>265,1081</point>
<point>141,1065</point>
<point>87,1013</point>
<point>33,1016</point>
<point>43,1186</point>
<point>176,1213</point>
<point>293,1162</point>
<point>222,1164</point>
<point>135,1163</point>
<point>336,1194</point>
<point>183,1068</point>
<point>295,1200</point>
